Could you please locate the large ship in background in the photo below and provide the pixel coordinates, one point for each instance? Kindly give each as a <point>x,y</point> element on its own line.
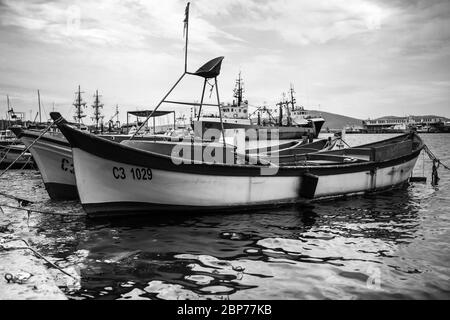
<point>291,120</point>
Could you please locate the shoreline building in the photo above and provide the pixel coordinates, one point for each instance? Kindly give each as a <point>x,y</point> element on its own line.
<point>392,124</point>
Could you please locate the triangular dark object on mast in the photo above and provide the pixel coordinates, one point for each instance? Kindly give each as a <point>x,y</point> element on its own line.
<point>211,69</point>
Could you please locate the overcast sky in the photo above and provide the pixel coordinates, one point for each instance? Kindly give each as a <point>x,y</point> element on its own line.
<point>357,58</point>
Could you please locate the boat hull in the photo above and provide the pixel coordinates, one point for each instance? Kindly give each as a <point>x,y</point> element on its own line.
<point>102,193</point>
<point>108,186</point>
<point>54,161</point>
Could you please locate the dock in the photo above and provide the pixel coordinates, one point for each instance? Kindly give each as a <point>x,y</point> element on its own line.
<point>24,276</point>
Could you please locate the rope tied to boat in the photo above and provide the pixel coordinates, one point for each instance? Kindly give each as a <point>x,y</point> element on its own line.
<point>434,158</point>
<point>27,148</point>
<point>23,202</point>
<point>436,164</point>
<point>6,153</point>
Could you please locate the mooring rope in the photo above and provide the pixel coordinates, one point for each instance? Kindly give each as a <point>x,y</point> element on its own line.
<point>26,149</point>
<point>6,153</point>
<point>21,200</point>
<point>38,255</point>
<point>434,158</point>
<point>26,163</point>
<point>29,210</point>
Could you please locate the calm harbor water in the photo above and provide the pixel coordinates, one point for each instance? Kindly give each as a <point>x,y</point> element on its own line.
<point>388,246</point>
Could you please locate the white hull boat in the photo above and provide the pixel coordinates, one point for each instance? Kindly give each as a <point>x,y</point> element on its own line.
<point>121,179</point>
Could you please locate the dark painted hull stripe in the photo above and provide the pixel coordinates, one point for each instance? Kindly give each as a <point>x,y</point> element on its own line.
<point>61,191</point>
<point>33,136</point>
<point>124,154</point>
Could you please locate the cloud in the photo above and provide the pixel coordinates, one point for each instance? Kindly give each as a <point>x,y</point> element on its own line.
<point>357,57</point>
<point>129,23</point>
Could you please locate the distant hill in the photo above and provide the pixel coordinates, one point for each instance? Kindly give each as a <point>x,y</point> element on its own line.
<point>417,118</point>
<point>336,121</point>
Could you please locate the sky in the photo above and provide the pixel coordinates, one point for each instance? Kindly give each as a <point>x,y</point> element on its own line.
<point>358,58</point>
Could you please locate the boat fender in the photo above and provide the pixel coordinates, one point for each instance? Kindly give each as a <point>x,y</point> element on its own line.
<point>308,185</point>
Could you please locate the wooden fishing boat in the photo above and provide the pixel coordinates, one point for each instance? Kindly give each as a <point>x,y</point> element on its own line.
<point>53,156</point>
<point>130,177</point>
<point>117,178</point>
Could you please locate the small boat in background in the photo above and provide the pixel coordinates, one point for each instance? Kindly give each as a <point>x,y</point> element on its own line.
<point>12,154</point>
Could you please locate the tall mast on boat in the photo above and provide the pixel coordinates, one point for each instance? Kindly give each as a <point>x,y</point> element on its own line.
<point>291,96</point>
<point>7,106</point>
<point>78,104</point>
<point>239,90</point>
<point>39,103</point>
<point>186,31</point>
<point>97,105</point>
<point>284,103</point>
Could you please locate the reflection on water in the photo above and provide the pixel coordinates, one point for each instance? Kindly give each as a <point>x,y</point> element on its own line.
<point>391,245</point>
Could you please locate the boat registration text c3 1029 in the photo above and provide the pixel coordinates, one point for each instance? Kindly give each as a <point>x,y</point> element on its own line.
<point>121,173</point>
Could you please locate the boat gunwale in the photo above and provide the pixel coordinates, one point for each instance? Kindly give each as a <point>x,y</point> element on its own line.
<point>198,167</point>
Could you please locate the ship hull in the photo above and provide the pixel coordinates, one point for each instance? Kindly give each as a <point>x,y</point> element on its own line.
<point>108,185</point>
<point>54,161</point>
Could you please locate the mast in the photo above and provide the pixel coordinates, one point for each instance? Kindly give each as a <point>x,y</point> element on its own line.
<point>78,104</point>
<point>97,105</point>
<point>186,29</point>
<point>291,94</point>
<point>7,113</point>
<point>39,103</point>
<point>239,90</point>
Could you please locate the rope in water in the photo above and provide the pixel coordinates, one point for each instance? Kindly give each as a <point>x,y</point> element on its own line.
<point>29,210</point>
<point>433,157</point>
<point>39,256</point>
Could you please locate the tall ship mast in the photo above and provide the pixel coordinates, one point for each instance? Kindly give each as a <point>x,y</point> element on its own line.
<point>79,104</point>
<point>97,114</point>
<point>238,91</point>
